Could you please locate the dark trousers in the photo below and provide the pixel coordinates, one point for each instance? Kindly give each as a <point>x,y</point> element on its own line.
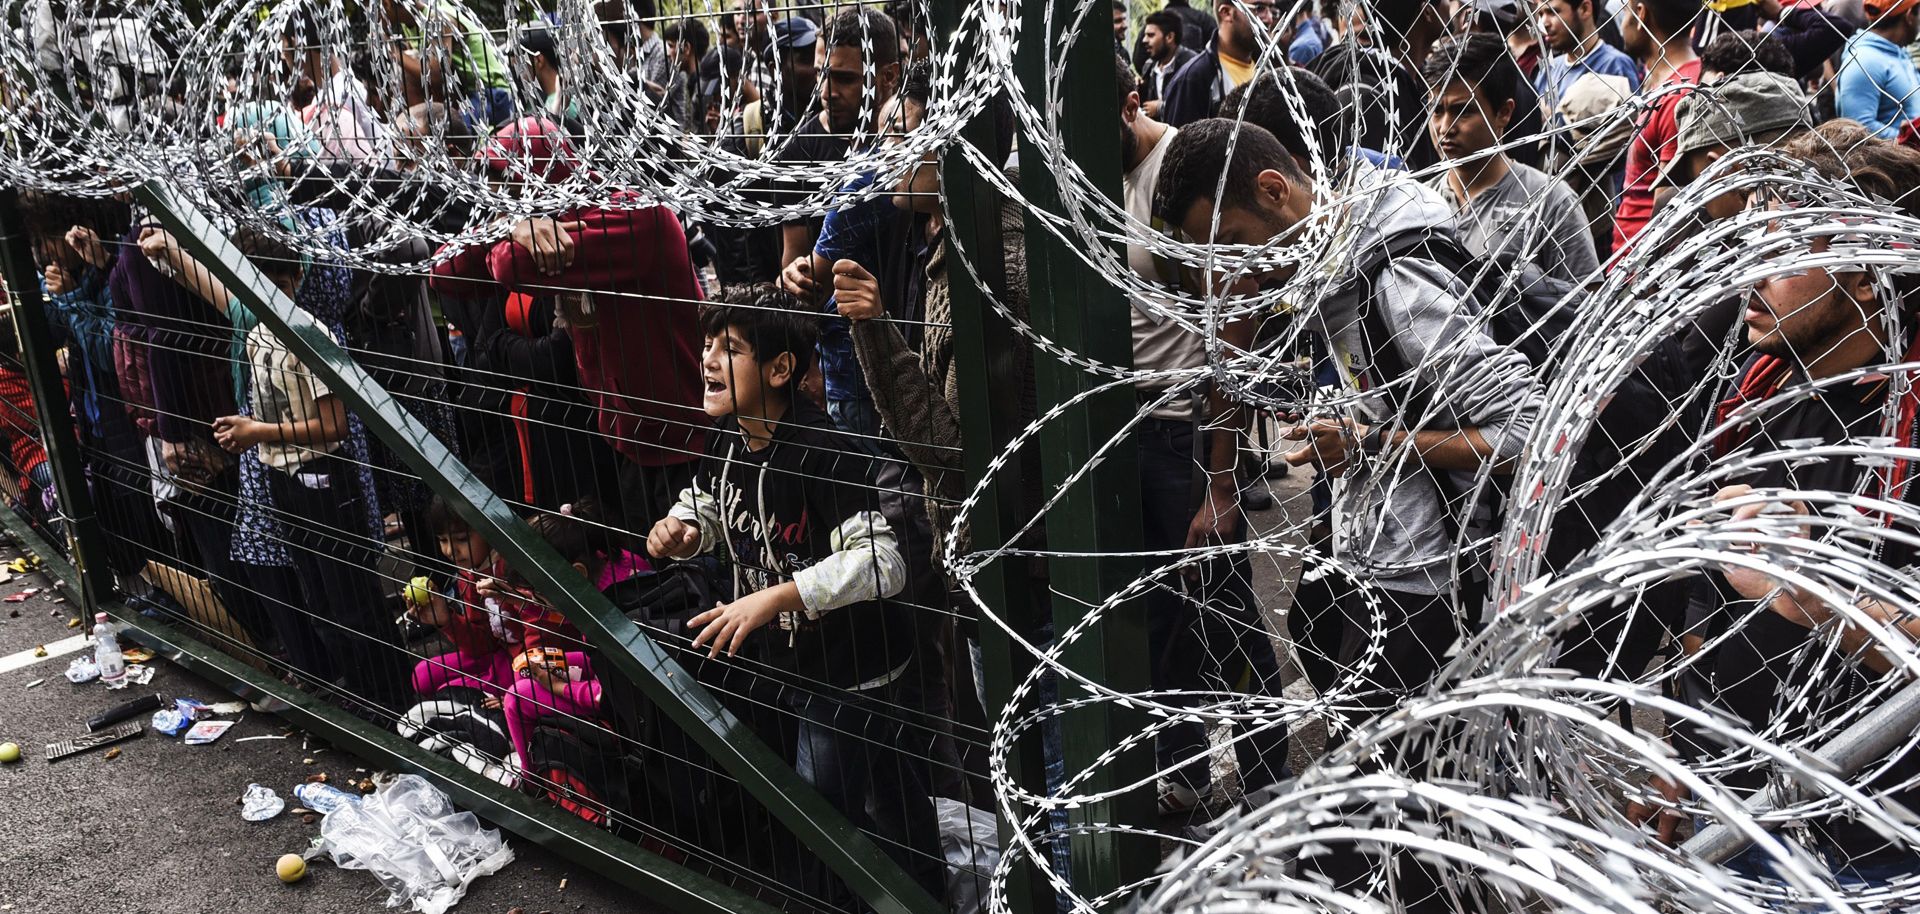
<point>1207,633</point>
<point>204,516</point>
<point>1333,628</point>
<point>122,488</point>
<point>855,749</point>
<point>324,512</point>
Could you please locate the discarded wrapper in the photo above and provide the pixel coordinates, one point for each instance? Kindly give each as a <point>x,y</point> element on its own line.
<point>82,669</point>
<point>260,803</point>
<point>139,674</point>
<point>136,654</point>
<point>206,732</point>
<point>182,715</point>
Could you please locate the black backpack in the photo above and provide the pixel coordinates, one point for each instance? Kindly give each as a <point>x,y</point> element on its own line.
<point>1532,313</point>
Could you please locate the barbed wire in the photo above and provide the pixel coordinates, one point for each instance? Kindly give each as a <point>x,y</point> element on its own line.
<point>1503,779</point>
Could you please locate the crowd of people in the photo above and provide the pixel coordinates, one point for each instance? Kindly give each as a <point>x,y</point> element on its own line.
<point>775,412</point>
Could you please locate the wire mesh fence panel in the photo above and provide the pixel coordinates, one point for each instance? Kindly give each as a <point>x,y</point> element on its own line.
<point>1498,497</point>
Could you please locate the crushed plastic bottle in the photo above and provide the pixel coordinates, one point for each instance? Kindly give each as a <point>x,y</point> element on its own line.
<point>106,653</point>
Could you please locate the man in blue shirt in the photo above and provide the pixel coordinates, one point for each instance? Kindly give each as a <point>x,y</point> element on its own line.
<point>1571,30</point>
<point>1584,74</point>
<point>1878,84</point>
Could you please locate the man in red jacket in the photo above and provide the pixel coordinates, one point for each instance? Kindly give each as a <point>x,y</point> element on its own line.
<point>630,299</point>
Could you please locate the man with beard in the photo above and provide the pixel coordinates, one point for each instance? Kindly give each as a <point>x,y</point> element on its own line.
<point>1165,56</point>
<point>829,136</point>
<point>1748,638</point>
<point>1392,467</point>
<point>1194,92</point>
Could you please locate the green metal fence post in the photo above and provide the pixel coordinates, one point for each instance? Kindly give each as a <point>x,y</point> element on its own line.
<point>987,357</point>
<point>85,539</point>
<point>870,873</point>
<point>1100,517</point>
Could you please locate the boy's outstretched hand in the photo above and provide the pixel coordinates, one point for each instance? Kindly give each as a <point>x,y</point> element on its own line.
<point>727,625</point>
<point>673,538</point>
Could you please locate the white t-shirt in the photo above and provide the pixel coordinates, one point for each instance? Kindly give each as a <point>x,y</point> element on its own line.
<point>1158,341</point>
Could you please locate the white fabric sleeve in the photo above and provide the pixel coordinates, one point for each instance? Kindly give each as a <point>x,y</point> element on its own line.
<point>865,565</point>
<point>702,510</point>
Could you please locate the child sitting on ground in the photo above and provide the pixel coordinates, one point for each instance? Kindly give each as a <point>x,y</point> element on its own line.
<point>791,501</point>
<point>553,675</point>
<point>485,629</point>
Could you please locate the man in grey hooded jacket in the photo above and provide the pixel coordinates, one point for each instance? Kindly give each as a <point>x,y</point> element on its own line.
<point>1423,411</point>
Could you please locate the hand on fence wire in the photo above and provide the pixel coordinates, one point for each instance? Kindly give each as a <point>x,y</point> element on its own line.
<point>57,280</point>
<point>797,278</point>
<point>673,538</point>
<point>237,434</point>
<point>1328,442</point>
<point>1757,585</point>
<point>1666,816</point>
<point>549,240</point>
<point>856,292</point>
<point>727,625</point>
<point>86,243</point>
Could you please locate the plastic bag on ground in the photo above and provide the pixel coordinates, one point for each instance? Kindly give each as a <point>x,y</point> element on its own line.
<point>970,839</point>
<point>409,836</point>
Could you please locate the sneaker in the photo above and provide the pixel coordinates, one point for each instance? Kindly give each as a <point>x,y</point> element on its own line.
<point>1177,798</point>
<point>1256,498</point>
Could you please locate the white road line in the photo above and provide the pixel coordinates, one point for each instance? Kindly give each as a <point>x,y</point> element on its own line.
<point>59,648</point>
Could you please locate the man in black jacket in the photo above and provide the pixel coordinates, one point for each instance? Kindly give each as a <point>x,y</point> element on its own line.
<point>1165,56</point>
<point>1194,93</point>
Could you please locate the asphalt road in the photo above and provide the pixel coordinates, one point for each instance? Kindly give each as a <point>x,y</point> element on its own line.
<point>157,829</point>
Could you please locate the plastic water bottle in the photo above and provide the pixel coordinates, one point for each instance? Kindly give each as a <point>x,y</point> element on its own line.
<point>323,798</point>
<point>106,653</point>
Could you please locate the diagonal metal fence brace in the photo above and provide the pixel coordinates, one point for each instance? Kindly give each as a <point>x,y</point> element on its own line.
<point>564,833</point>
<point>870,873</point>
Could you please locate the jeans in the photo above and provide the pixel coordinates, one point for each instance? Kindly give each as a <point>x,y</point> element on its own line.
<point>1756,864</point>
<point>854,749</point>
<point>861,422</point>
<point>339,588</point>
<point>1207,634</point>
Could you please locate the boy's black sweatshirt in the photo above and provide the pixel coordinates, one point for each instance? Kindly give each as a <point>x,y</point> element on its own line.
<point>773,513</point>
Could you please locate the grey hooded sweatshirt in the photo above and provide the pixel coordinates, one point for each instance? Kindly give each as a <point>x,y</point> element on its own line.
<point>1390,519</point>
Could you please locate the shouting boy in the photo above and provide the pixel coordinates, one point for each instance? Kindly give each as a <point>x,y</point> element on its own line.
<point>791,501</point>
